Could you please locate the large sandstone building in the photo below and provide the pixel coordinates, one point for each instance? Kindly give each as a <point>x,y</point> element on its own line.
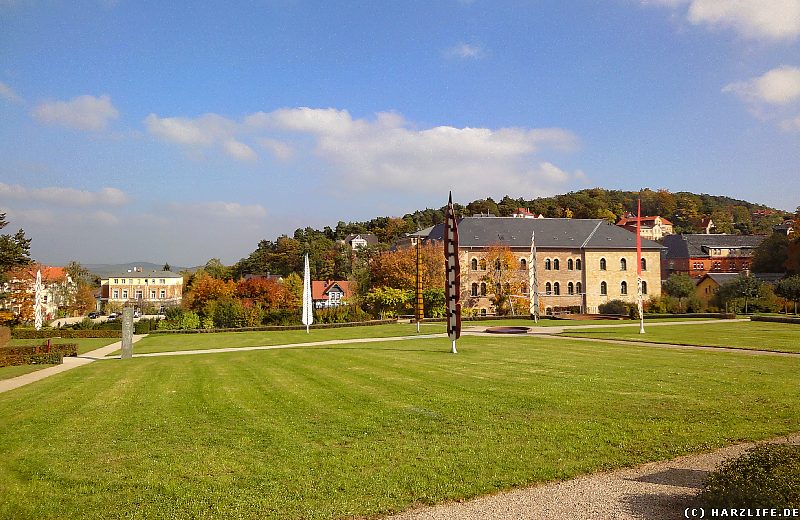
<point>580,263</point>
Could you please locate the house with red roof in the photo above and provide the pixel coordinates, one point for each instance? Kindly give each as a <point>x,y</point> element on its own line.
<point>652,227</point>
<point>58,289</point>
<point>331,293</point>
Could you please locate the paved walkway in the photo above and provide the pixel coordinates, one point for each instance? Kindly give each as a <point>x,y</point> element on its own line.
<point>653,491</point>
<point>68,364</point>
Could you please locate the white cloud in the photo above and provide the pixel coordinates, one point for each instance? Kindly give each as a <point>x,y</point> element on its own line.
<point>226,210</point>
<point>8,93</point>
<point>465,51</point>
<point>65,196</point>
<point>82,112</point>
<point>778,86</point>
<point>239,151</point>
<point>755,19</point>
<point>385,152</point>
<point>791,125</point>
<point>279,149</point>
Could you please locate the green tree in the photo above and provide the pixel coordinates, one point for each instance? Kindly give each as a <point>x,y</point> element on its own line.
<point>680,286</point>
<point>389,302</point>
<point>789,289</point>
<point>166,267</point>
<point>772,254</point>
<point>14,250</point>
<point>745,287</point>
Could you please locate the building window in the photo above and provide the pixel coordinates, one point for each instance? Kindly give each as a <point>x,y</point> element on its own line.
<point>548,288</point>
<point>524,288</point>
<point>474,289</point>
<point>163,294</point>
<point>115,294</point>
<point>474,264</point>
<point>523,264</point>
<point>116,280</point>
<point>570,265</point>
<point>644,264</point>
<point>602,264</point>
<point>125,293</point>
<point>578,264</point>
<point>152,295</point>
<point>603,288</point>
<point>556,288</point>
<point>139,294</point>
<point>623,288</point>
<point>570,288</point>
<point>44,299</point>
<point>483,312</point>
<point>547,264</point>
<point>644,287</point>
<point>555,264</point>
<point>483,264</point>
<point>579,288</point>
<point>123,280</point>
<point>623,264</point>
<point>483,289</point>
<point>162,281</point>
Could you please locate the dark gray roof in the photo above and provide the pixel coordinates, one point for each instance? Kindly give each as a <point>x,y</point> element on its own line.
<point>368,237</point>
<point>723,278</point>
<point>695,246</point>
<point>145,274</point>
<point>554,233</point>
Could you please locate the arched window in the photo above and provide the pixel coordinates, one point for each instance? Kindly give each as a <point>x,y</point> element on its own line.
<point>570,265</point>
<point>483,264</point>
<point>474,264</point>
<point>474,289</point>
<point>547,264</point>
<point>623,288</point>
<point>602,264</point>
<point>579,288</point>
<point>570,288</point>
<point>603,288</point>
<point>548,288</point>
<point>523,264</point>
<point>623,264</point>
<point>556,288</point>
<point>555,264</point>
<point>644,264</point>
<point>483,289</point>
<point>578,264</point>
<point>644,287</point>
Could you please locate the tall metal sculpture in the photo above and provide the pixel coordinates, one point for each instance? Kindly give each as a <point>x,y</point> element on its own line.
<point>308,307</point>
<point>452,288</point>
<point>639,302</point>
<point>533,281</point>
<point>38,290</point>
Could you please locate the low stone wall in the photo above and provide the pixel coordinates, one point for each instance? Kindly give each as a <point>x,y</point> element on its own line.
<point>277,327</point>
<point>776,319</point>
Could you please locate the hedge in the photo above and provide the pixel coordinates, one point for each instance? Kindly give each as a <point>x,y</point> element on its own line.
<point>44,358</point>
<point>766,476</point>
<point>278,327</point>
<point>711,315</point>
<point>775,319</point>
<point>67,349</point>
<point>19,333</point>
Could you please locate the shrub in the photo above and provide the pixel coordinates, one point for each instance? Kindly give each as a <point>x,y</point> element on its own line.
<point>144,326</point>
<point>36,354</point>
<point>21,333</point>
<point>617,307</point>
<point>5,336</point>
<point>767,476</point>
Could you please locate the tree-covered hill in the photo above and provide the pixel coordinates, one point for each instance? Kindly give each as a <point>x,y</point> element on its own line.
<point>687,211</point>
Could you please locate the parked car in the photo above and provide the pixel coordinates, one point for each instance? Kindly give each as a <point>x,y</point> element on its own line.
<point>137,314</point>
<point>94,315</point>
<point>113,316</point>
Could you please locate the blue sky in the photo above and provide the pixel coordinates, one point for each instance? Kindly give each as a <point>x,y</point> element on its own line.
<point>168,131</point>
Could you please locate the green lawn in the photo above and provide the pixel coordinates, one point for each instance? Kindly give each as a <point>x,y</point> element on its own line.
<point>174,342</point>
<point>361,430</point>
<point>780,337</point>
<point>19,370</point>
<point>546,322</point>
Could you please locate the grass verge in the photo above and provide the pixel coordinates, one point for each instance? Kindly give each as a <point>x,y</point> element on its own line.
<point>752,335</point>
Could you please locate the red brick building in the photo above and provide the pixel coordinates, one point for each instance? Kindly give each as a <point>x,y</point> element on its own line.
<point>697,255</point>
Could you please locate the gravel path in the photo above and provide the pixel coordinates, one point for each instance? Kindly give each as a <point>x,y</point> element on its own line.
<point>653,491</point>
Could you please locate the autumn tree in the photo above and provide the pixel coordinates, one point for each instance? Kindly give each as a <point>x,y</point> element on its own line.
<point>268,294</point>
<point>680,286</point>
<point>398,268</point>
<point>789,289</point>
<point>503,276</point>
<point>205,288</point>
